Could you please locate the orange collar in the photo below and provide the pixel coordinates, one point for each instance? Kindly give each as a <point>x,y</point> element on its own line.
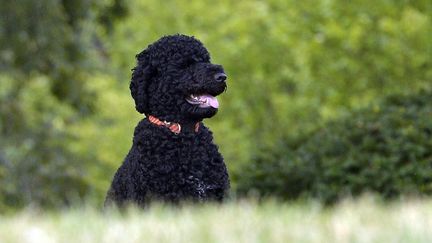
<point>174,127</point>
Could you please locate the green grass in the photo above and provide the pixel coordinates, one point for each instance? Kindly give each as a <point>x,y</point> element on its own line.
<point>365,220</point>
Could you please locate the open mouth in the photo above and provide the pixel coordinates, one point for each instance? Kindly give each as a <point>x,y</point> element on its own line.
<point>203,100</point>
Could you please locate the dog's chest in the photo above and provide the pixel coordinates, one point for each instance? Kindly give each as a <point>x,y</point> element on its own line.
<point>196,166</point>
<point>185,167</point>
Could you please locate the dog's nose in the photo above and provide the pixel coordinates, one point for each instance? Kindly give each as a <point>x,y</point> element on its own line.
<point>220,77</point>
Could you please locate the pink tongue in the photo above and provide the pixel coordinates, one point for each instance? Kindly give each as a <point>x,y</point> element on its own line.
<point>211,100</point>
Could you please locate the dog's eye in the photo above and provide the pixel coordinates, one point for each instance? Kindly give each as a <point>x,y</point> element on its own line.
<point>188,63</point>
<point>185,65</point>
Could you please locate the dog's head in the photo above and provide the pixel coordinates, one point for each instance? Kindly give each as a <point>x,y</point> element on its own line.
<point>175,81</point>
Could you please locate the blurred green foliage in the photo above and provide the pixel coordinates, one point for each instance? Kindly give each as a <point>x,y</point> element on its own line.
<point>66,116</point>
<point>385,149</point>
<point>49,50</point>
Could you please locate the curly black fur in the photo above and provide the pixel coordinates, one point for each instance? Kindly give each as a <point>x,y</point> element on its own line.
<point>162,165</point>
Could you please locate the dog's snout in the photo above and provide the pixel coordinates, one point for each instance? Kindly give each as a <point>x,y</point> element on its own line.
<point>220,77</point>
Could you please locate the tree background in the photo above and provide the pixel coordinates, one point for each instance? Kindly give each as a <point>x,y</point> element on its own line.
<point>302,76</point>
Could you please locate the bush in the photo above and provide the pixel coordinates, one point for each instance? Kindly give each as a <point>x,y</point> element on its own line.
<point>50,58</point>
<point>385,149</point>
<point>37,163</point>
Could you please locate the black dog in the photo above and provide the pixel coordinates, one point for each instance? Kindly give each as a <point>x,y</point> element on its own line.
<point>173,157</point>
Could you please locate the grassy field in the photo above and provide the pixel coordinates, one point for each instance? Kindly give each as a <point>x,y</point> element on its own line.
<point>365,220</point>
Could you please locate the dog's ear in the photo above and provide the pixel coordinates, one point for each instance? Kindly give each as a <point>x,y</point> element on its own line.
<point>141,79</point>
